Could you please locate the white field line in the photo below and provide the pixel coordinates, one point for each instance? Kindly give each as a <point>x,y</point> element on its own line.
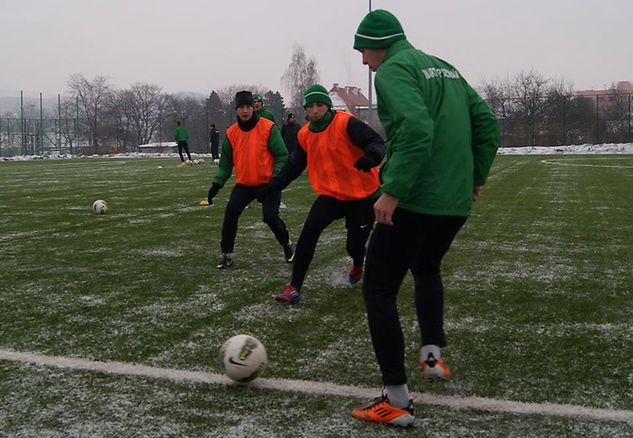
<point>320,388</point>
<point>566,162</point>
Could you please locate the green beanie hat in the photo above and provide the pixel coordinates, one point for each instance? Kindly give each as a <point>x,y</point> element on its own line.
<point>316,93</point>
<point>378,30</point>
<point>257,96</point>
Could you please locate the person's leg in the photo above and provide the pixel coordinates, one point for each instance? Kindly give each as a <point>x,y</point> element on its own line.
<point>323,212</point>
<point>180,148</point>
<point>359,221</point>
<point>270,211</point>
<point>240,197</point>
<point>187,149</point>
<point>385,267</point>
<point>435,235</point>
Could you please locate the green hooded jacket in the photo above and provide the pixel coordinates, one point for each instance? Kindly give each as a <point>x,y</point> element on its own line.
<point>267,114</point>
<point>441,136</point>
<point>180,134</point>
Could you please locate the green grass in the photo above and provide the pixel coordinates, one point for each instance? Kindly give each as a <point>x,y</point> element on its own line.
<point>539,292</point>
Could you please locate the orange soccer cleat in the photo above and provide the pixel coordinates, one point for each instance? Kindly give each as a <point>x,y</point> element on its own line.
<point>380,411</point>
<point>434,369</point>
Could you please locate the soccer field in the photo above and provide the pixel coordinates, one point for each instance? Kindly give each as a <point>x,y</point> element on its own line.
<point>539,308</point>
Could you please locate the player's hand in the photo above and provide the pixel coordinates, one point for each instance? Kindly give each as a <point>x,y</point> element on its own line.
<point>384,208</point>
<point>476,192</point>
<point>364,163</point>
<point>213,190</point>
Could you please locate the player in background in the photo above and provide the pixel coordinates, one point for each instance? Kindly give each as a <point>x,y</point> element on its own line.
<point>258,103</point>
<point>180,137</point>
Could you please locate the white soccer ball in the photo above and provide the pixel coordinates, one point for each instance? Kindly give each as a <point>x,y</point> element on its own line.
<point>99,206</point>
<point>243,358</point>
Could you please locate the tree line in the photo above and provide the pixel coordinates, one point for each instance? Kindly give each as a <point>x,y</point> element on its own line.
<point>535,110</point>
<point>95,117</point>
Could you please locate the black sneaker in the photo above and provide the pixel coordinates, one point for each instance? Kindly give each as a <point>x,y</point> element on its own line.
<point>225,262</point>
<point>289,252</point>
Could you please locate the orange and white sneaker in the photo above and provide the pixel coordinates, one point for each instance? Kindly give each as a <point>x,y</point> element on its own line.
<point>434,369</point>
<point>380,411</point>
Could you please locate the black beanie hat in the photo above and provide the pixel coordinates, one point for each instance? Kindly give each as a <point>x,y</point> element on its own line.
<point>243,98</point>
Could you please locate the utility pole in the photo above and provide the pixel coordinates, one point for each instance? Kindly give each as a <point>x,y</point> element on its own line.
<point>370,112</point>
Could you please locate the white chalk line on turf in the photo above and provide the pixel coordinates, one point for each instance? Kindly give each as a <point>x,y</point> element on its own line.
<point>566,162</point>
<point>320,388</point>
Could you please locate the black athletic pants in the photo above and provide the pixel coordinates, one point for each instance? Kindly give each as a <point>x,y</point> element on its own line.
<point>241,196</point>
<point>415,242</point>
<point>214,151</point>
<point>183,145</point>
<point>359,220</point>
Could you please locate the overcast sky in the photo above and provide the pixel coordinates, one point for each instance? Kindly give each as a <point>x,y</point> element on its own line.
<point>202,45</point>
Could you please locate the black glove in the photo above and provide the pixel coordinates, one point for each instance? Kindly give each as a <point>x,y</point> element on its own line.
<point>364,163</point>
<point>213,190</point>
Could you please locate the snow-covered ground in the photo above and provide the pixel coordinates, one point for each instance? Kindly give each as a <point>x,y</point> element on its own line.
<point>605,148</point>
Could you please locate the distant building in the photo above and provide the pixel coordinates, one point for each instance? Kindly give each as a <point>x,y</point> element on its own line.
<point>609,97</point>
<point>622,87</point>
<point>350,99</point>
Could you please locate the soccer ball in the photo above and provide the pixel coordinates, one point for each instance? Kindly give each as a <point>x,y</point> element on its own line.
<point>243,358</point>
<point>99,206</point>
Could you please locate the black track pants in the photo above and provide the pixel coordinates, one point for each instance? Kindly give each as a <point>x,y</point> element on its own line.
<point>241,196</point>
<point>183,145</point>
<point>415,242</point>
<point>359,220</point>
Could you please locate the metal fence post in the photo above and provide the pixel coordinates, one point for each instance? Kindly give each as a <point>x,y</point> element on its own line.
<point>630,138</point>
<point>597,119</point>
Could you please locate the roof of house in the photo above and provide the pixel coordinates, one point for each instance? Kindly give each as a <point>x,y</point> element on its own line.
<point>351,96</point>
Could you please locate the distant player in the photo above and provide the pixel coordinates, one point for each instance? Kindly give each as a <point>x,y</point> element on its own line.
<point>180,137</point>
<point>258,104</point>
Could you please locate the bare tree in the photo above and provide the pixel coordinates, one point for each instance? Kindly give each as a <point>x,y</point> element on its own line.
<point>528,91</point>
<point>142,106</point>
<point>68,123</point>
<point>93,97</point>
<point>227,94</point>
<point>300,74</point>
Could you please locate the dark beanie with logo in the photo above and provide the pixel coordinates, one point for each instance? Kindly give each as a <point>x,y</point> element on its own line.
<point>378,30</point>
<point>243,98</point>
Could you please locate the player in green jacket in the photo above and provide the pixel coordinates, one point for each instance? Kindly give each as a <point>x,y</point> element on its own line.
<point>260,111</point>
<point>180,137</point>
<point>441,141</point>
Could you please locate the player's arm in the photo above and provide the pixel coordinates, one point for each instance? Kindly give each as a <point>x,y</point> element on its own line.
<point>225,167</point>
<point>278,149</point>
<point>485,136</point>
<point>363,136</point>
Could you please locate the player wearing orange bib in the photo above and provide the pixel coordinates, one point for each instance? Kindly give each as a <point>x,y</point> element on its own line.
<point>341,154</point>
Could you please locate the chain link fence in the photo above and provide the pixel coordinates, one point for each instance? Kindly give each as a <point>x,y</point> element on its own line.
<point>538,121</point>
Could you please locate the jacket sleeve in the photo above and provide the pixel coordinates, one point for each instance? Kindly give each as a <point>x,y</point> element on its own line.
<point>411,132</point>
<point>225,167</point>
<point>295,166</point>
<point>363,136</point>
<point>485,132</point>
<point>278,149</point>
